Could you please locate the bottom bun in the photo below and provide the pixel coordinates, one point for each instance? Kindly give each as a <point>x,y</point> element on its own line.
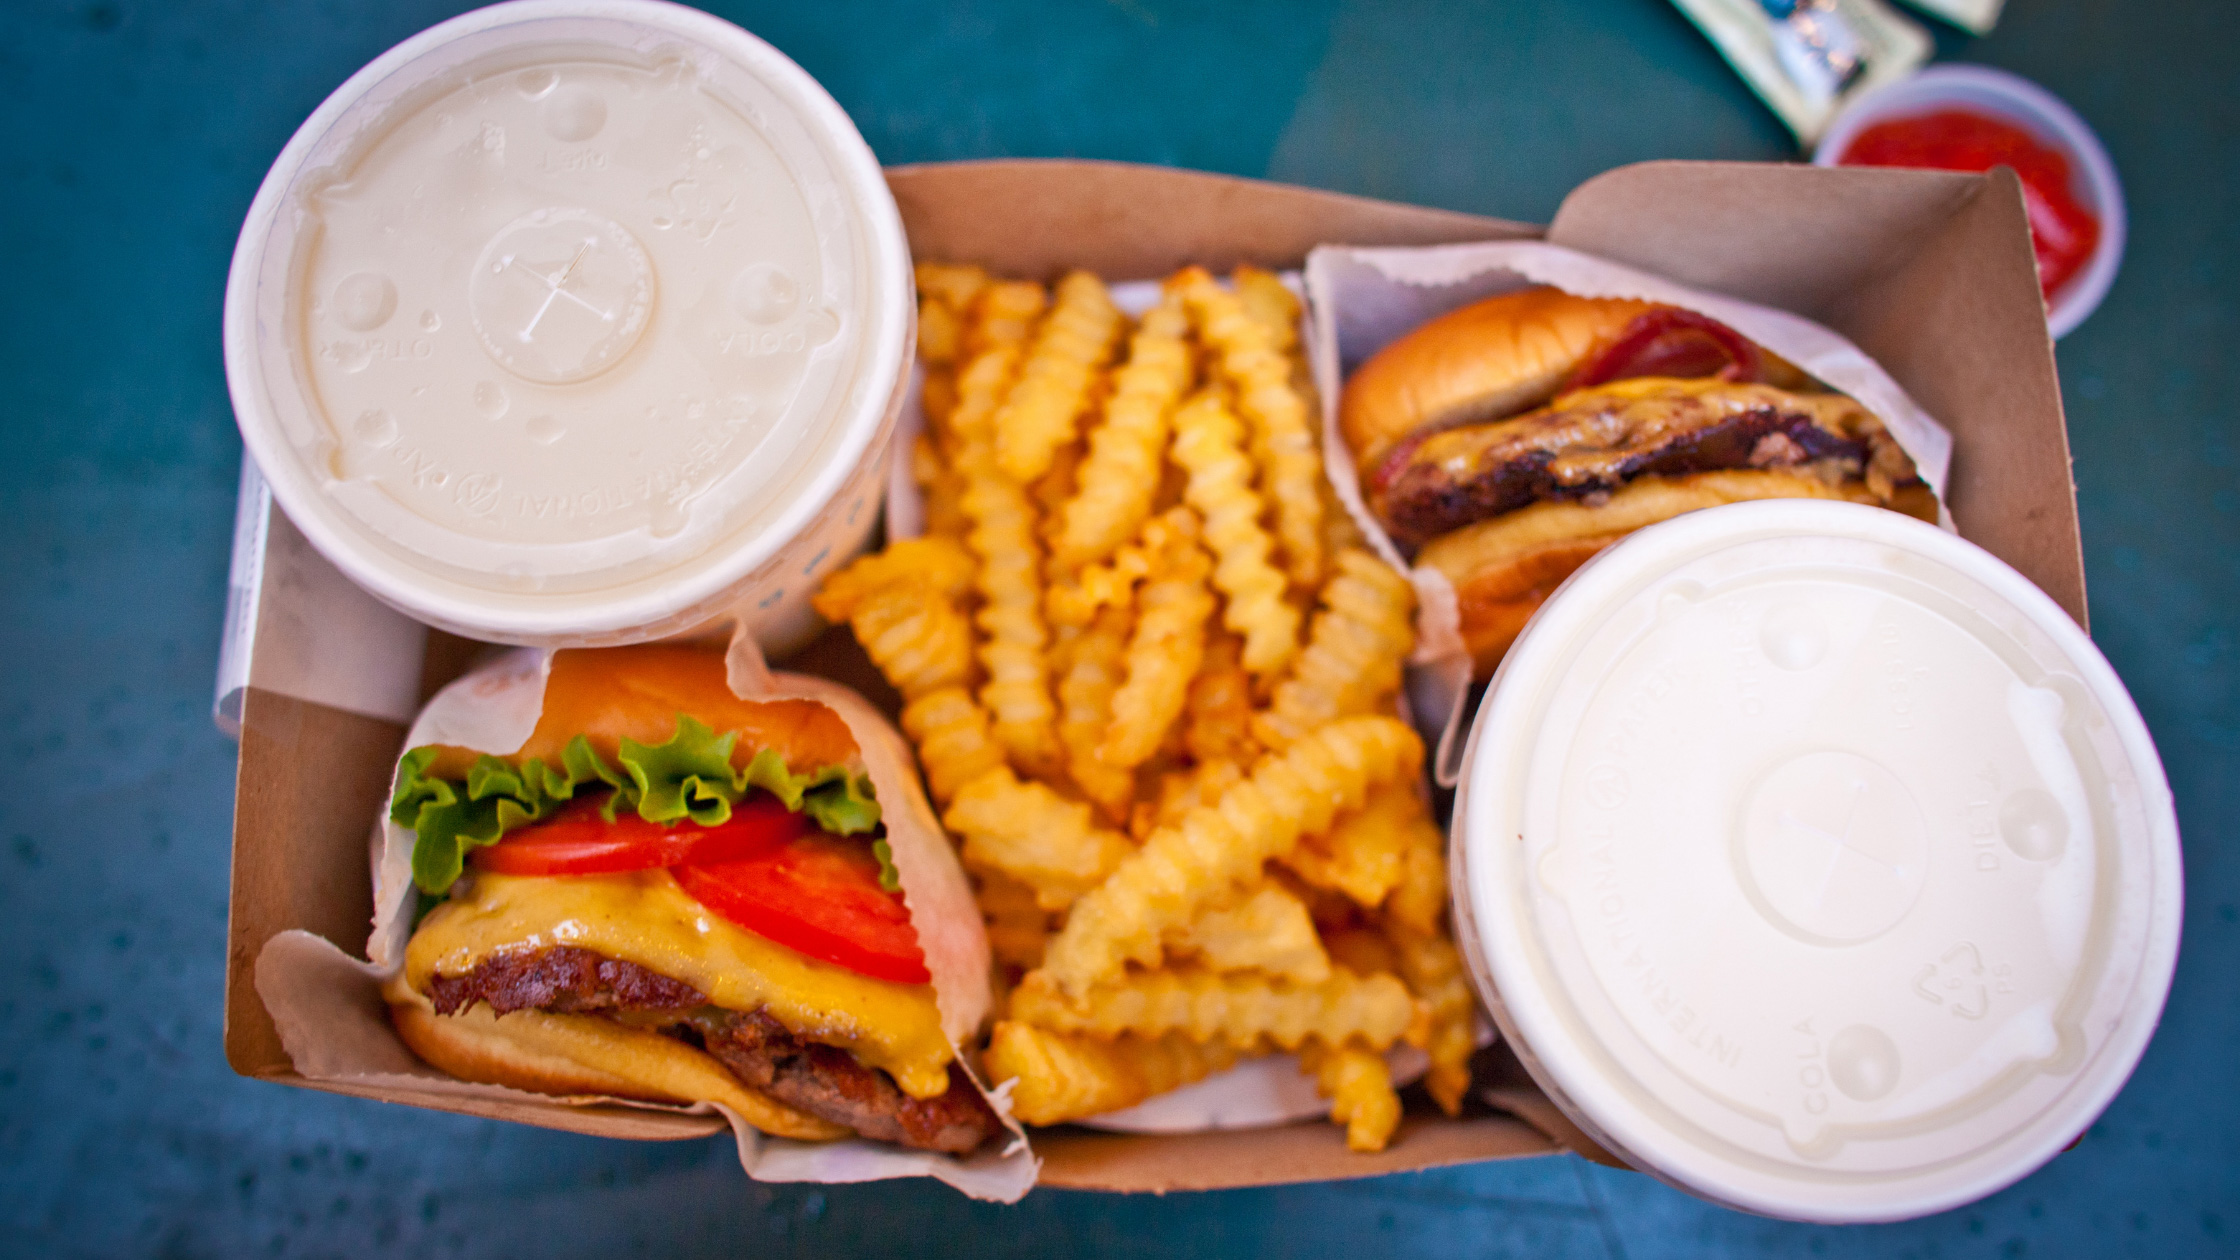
<point>1503,567</point>
<point>577,1055</point>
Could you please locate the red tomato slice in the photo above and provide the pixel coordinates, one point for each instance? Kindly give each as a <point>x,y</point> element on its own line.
<point>577,841</point>
<point>818,896</point>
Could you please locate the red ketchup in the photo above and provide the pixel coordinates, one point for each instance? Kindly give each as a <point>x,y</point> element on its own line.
<point>2064,231</point>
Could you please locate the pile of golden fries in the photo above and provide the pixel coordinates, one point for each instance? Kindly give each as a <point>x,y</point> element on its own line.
<point>1150,669</point>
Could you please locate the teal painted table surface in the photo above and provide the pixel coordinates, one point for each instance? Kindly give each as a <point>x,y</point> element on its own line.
<point>132,137</point>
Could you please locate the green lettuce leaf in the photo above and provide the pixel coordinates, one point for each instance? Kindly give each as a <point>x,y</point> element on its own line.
<point>689,776</point>
<point>889,878</point>
<point>842,803</point>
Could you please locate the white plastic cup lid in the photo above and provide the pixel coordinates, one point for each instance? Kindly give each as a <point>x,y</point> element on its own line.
<point>1816,862</point>
<point>561,318</point>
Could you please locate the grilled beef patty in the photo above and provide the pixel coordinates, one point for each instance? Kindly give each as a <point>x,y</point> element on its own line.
<point>1593,441</point>
<point>824,1081</point>
<point>562,980</point>
<point>827,1081</point>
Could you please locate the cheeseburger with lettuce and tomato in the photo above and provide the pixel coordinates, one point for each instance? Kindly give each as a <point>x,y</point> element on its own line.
<point>675,895</point>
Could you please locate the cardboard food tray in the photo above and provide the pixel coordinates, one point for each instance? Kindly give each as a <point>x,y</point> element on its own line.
<point>1931,273</point>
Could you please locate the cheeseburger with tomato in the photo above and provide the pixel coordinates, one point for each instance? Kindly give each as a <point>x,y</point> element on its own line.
<point>1507,442</point>
<point>675,895</point>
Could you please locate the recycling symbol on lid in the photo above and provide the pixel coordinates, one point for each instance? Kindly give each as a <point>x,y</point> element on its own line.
<point>1961,982</point>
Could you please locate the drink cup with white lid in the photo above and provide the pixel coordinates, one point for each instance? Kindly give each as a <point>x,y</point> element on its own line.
<point>1815,862</point>
<point>574,322</point>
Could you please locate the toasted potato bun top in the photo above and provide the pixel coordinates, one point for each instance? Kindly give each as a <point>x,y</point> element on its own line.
<point>609,694</point>
<point>1489,359</point>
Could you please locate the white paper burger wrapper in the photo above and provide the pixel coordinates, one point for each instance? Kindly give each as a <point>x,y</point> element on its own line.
<point>1361,300</point>
<point>334,1024</point>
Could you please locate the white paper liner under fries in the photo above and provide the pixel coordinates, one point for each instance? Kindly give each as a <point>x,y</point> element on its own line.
<point>332,1019</point>
<point>1360,300</point>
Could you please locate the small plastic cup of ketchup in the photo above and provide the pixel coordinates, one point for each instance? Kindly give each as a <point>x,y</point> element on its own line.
<point>1972,118</point>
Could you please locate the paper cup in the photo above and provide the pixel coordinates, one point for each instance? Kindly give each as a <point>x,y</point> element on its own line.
<point>1815,862</point>
<point>576,322</point>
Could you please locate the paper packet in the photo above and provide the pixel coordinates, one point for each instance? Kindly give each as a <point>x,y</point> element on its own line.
<point>1781,68</point>
<point>1360,300</point>
<point>334,1024</point>
<point>1978,16</point>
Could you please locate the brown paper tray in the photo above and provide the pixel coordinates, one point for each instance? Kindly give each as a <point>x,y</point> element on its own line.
<point>1931,273</point>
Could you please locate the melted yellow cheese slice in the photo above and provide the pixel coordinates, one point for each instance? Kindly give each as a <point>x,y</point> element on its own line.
<point>645,918</point>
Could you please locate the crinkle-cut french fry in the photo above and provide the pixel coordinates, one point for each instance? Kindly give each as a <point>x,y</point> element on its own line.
<point>1361,949</point>
<point>1420,899</point>
<point>1339,529</point>
<point>940,333</point>
<point>1181,867</point>
<point>1165,647</point>
<point>953,283</point>
<point>941,488</point>
<point>1209,444</point>
<point>980,382</point>
<point>1354,653</point>
<point>1171,755</point>
<point>1270,303</point>
<point>950,730</point>
<point>998,322</point>
<point>1274,307</point>
<point>1241,1008</point>
<point>1414,923</point>
<point>1085,708</point>
<point>1063,1078</point>
<point>1364,854</point>
<point>921,642</point>
<point>1059,657</point>
<point>1358,1084</point>
<point>1266,929</point>
<point>901,603</point>
<point>1122,470</point>
<point>916,636</point>
<point>1218,725</point>
<point>1000,318</point>
<point>1172,482</point>
<point>945,293</point>
<point>1018,926</point>
<point>1077,600</point>
<point>1433,969</point>
<point>939,565</point>
<point>938,399</point>
<point>1054,489</point>
<point>1017,692</point>
<point>1035,836</point>
<point>1199,786</point>
<point>1003,312</point>
<point>1179,792</point>
<point>1283,436</point>
<point>1037,417</point>
<point>1335,914</point>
